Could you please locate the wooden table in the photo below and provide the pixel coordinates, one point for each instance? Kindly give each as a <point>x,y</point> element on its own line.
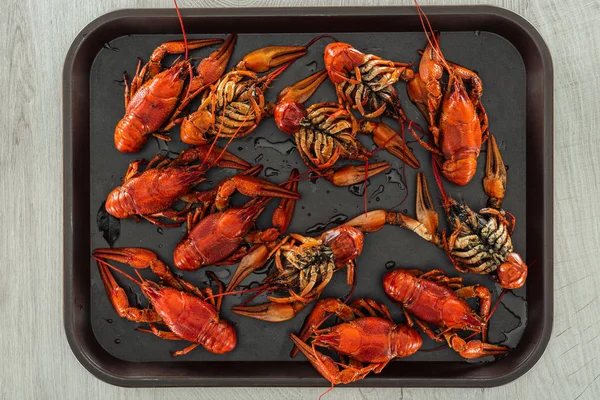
<point>36,360</point>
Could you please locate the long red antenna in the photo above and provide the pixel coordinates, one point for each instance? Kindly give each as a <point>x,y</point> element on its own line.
<point>185,44</point>
<point>435,45</point>
<point>101,261</point>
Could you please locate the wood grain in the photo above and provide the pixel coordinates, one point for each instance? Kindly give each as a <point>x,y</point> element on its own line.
<point>37,362</point>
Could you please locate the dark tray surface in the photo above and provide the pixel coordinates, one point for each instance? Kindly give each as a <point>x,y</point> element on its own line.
<point>504,74</point>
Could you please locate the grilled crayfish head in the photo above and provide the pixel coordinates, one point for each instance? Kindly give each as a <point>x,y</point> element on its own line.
<point>289,115</point>
<point>341,59</point>
<point>346,243</point>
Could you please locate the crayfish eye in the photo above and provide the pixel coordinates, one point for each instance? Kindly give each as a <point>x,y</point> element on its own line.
<point>288,116</point>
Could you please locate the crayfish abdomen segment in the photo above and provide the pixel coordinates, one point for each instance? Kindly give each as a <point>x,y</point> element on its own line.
<point>484,243</point>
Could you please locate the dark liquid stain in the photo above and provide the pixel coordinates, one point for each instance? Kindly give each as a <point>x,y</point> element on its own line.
<point>286,147</point>
<point>271,172</point>
<point>312,66</point>
<point>357,189</point>
<point>254,284</point>
<point>390,265</point>
<point>159,230</point>
<point>117,341</point>
<point>258,158</point>
<point>316,229</point>
<point>108,225</point>
<point>328,191</point>
<point>394,176</point>
<point>321,227</point>
<point>338,219</point>
<point>109,47</point>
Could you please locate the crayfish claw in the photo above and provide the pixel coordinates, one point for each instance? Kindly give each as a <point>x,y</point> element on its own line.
<point>270,312</point>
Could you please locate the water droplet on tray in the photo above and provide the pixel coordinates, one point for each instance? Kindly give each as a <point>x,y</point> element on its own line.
<point>271,172</point>
<point>160,230</point>
<point>109,47</point>
<point>258,158</point>
<point>286,147</point>
<point>390,265</point>
<point>316,229</point>
<point>117,341</point>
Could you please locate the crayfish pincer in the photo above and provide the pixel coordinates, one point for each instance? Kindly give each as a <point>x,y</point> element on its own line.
<point>140,195</point>
<point>367,335</point>
<point>179,305</point>
<point>153,96</point>
<point>436,299</point>
<point>304,267</point>
<point>480,242</point>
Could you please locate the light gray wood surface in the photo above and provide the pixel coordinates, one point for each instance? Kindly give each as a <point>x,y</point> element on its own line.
<point>36,360</point>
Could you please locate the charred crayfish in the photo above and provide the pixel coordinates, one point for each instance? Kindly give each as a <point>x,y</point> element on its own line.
<point>457,119</point>
<point>220,237</point>
<point>183,308</point>
<point>303,268</point>
<point>480,242</point>
<point>235,105</point>
<point>326,132</point>
<point>367,335</point>
<point>154,95</point>
<point>436,299</point>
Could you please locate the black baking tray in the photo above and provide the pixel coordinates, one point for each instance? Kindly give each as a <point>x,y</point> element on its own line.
<point>516,69</point>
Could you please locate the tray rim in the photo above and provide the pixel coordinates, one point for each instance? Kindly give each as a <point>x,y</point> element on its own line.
<point>70,305</point>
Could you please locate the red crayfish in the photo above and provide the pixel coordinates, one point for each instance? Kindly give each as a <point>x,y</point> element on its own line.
<point>236,103</point>
<point>154,95</point>
<point>219,238</point>
<point>436,299</point>
<point>480,242</point>
<point>457,119</point>
<point>151,193</point>
<point>174,302</point>
<point>367,335</point>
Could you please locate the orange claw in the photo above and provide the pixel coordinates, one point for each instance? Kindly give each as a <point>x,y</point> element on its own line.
<point>250,263</point>
<point>386,137</point>
<point>176,47</point>
<point>323,309</point>
<point>210,154</point>
<point>264,59</point>
<point>353,174</point>
<point>139,259</point>
<point>494,182</point>
<point>270,312</point>
<point>282,216</point>
<point>302,90</point>
<point>426,213</point>
<point>328,368</point>
<point>474,348</point>
<point>212,67</point>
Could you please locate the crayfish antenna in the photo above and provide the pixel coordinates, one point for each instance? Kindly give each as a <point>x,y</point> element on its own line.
<point>435,45</point>
<point>131,278</point>
<point>438,178</point>
<point>185,43</point>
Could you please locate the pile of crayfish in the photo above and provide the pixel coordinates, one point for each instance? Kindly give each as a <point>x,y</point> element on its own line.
<point>345,339</point>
